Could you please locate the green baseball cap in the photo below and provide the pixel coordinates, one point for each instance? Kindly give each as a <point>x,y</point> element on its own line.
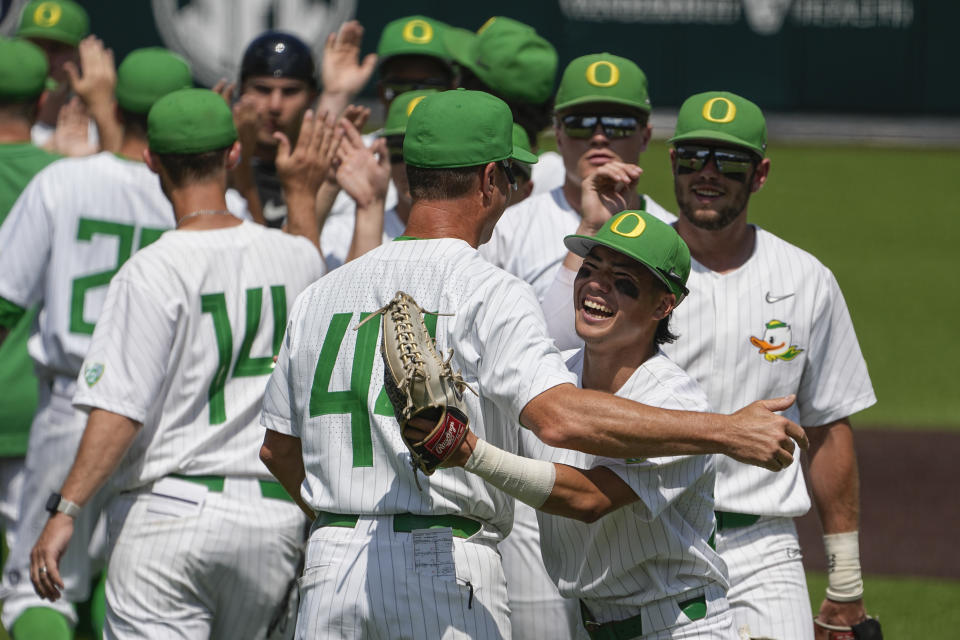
<point>23,69</point>
<point>522,141</point>
<point>61,20</point>
<point>509,57</point>
<point>460,128</point>
<point>648,240</point>
<point>146,75</point>
<point>603,77</point>
<point>722,116</point>
<point>413,36</point>
<point>190,121</point>
<point>400,110</point>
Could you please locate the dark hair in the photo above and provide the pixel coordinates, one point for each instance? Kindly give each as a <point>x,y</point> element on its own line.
<point>134,123</point>
<point>19,109</point>
<point>441,184</point>
<point>663,333</point>
<point>184,168</point>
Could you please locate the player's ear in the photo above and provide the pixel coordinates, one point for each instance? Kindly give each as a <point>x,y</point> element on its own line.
<point>668,302</point>
<point>760,175</point>
<point>673,159</point>
<point>233,156</point>
<point>151,161</point>
<point>488,180</point>
<point>645,134</point>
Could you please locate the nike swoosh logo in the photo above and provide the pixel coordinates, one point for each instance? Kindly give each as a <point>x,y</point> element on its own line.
<point>771,298</point>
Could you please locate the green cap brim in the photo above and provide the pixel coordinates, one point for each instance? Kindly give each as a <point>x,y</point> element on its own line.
<point>602,99</point>
<point>581,246</point>
<point>522,155</point>
<point>711,134</point>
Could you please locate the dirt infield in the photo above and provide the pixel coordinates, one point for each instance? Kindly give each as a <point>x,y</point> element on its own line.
<point>910,505</point>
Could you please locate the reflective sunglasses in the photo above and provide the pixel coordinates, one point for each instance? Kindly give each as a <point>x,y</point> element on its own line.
<point>391,89</point>
<point>395,148</point>
<point>733,163</point>
<point>614,127</point>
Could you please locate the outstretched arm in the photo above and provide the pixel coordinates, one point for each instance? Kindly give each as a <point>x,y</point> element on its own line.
<point>343,73</point>
<point>598,423</point>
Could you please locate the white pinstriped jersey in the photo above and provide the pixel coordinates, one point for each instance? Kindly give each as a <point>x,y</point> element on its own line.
<point>775,326</point>
<point>338,234</point>
<point>528,239</point>
<point>327,387</point>
<point>185,343</point>
<point>548,173</point>
<point>656,547</point>
<point>69,232</point>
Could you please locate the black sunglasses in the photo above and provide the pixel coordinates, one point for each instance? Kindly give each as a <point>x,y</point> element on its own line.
<point>733,163</point>
<point>614,127</point>
<point>507,167</point>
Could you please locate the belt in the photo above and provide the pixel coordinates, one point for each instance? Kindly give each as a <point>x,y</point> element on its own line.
<point>730,520</point>
<point>268,488</point>
<point>405,522</point>
<point>694,608</point>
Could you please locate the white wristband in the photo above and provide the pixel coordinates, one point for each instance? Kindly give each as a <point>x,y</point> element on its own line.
<point>529,481</point>
<point>845,582</point>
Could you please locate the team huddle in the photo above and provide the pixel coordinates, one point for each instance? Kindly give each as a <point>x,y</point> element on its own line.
<point>209,361</point>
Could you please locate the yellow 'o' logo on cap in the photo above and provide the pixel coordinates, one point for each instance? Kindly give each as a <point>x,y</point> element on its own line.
<point>47,14</point>
<point>413,104</point>
<point>637,229</point>
<point>418,32</point>
<point>729,110</point>
<point>612,71</point>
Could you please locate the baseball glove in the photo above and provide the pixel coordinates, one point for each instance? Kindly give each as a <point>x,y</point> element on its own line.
<point>421,384</point>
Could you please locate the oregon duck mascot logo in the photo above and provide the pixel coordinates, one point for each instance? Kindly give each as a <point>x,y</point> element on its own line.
<point>775,343</point>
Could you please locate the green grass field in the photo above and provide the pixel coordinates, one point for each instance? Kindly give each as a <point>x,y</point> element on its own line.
<point>887,222</point>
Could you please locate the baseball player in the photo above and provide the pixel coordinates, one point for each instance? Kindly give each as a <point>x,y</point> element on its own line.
<point>631,539</point>
<point>57,27</point>
<point>510,60</point>
<point>774,317</point>
<point>422,550</point>
<point>23,72</point>
<point>601,114</point>
<point>174,380</point>
<point>72,228</point>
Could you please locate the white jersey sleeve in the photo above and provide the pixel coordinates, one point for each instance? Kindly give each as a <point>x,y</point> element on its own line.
<point>133,338</point>
<point>835,382</point>
<point>26,238</point>
<point>558,308</point>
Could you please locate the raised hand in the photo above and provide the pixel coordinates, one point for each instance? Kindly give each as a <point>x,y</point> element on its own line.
<point>72,135</point>
<point>606,192</point>
<point>96,78</point>
<point>364,173</point>
<point>343,73</point>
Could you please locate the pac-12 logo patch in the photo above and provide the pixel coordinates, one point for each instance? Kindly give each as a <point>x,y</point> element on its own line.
<point>775,343</point>
<point>92,373</point>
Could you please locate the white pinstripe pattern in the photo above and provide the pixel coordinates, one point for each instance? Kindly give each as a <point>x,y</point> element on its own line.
<point>40,258</point>
<point>220,570</point>
<point>768,590</point>
<point>655,549</point>
<point>500,345</point>
<point>159,349</point>
<point>338,234</point>
<point>528,239</point>
<point>356,584</point>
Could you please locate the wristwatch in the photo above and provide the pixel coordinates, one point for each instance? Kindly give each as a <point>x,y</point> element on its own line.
<point>56,502</point>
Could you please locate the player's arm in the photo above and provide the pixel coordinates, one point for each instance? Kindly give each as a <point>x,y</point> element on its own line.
<point>835,484</point>
<point>94,82</point>
<point>302,169</point>
<point>283,456</point>
<point>365,175</point>
<point>105,440</point>
<point>598,423</point>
